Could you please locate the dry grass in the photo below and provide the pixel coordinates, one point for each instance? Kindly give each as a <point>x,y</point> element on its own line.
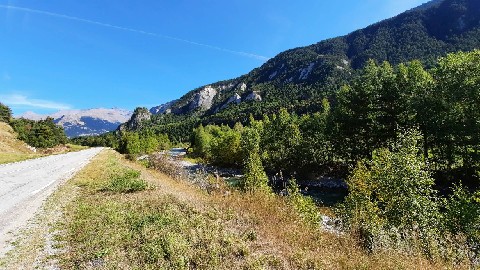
<point>12,149</point>
<point>178,226</point>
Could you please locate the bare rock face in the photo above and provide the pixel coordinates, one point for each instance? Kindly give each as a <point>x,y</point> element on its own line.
<point>255,96</point>
<point>139,116</point>
<point>233,99</point>
<point>164,108</point>
<point>204,99</point>
<point>243,87</point>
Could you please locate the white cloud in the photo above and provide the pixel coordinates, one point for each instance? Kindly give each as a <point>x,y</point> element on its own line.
<point>15,100</point>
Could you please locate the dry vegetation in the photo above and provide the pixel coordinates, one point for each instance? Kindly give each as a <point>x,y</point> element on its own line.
<point>12,149</point>
<point>170,224</point>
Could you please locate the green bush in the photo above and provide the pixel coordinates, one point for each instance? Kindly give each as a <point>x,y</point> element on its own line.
<point>5,113</point>
<point>255,178</point>
<point>462,215</point>
<point>304,205</point>
<point>126,181</point>
<point>391,198</point>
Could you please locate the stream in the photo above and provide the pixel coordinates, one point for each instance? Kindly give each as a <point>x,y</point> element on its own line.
<point>326,192</point>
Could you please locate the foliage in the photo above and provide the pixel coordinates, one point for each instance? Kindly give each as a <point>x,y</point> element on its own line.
<point>254,177</point>
<point>462,215</point>
<point>163,164</point>
<point>42,134</point>
<point>5,113</point>
<point>303,204</point>
<point>125,181</point>
<point>393,193</point>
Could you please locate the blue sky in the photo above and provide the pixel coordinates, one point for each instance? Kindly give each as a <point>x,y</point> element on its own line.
<point>79,54</point>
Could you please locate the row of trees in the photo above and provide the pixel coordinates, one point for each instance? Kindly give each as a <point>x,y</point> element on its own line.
<point>442,103</point>
<point>41,134</point>
<point>131,143</point>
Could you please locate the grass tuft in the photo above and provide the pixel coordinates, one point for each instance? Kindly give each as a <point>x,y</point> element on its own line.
<point>126,181</point>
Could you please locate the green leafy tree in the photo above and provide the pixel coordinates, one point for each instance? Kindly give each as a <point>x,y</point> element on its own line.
<point>393,193</point>
<point>280,142</point>
<point>5,113</point>
<point>458,88</point>
<point>462,215</point>
<point>255,178</point>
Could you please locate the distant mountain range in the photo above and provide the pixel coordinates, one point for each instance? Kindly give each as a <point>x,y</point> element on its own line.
<point>85,122</point>
<point>298,76</point>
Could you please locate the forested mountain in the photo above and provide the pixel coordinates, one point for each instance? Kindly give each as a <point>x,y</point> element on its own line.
<point>300,76</point>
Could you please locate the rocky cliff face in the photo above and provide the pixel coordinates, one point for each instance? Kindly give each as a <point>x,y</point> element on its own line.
<point>203,100</point>
<point>139,116</point>
<point>164,108</point>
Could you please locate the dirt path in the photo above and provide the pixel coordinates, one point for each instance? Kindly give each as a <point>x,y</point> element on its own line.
<point>25,185</point>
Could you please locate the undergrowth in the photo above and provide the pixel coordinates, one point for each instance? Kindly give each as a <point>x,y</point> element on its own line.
<point>176,225</point>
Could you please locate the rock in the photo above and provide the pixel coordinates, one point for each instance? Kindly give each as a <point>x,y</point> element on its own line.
<point>233,99</point>
<point>255,96</point>
<point>164,108</point>
<point>139,116</point>
<point>203,99</point>
<point>305,72</point>
<point>243,87</point>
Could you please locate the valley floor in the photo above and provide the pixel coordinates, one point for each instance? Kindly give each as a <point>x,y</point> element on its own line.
<point>106,218</point>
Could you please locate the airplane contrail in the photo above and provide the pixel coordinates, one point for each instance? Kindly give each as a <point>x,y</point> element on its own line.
<point>67,17</point>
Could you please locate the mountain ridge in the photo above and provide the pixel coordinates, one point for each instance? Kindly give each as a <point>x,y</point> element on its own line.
<point>85,122</point>
<point>424,33</point>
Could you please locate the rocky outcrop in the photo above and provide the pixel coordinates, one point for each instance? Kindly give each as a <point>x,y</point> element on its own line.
<point>235,99</point>
<point>203,99</point>
<point>164,108</point>
<point>243,87</point>
<point>255,96</point>
<point>140,115</point>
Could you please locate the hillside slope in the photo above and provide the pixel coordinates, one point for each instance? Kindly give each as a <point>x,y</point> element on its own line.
<point>312,72</point>
<point>9,142</point>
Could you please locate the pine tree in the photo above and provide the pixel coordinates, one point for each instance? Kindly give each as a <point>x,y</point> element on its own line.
<point>5,113</point>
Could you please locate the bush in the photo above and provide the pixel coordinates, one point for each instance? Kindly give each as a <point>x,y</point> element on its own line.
<point>304,205</point>
<point>392,200</point>
<point>255,178</point>
<point>163,164</point>
<point>462,215</point>
<point>126,181</point>
<point>5,113</point>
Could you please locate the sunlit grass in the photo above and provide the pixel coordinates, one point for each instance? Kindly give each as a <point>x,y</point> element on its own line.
<point>174,225</point>
<point>16,157</point>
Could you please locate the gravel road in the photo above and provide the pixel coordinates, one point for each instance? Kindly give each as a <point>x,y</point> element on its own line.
<point>25,185</point>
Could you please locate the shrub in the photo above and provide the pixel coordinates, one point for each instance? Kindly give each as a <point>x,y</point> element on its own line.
<point>304,205</point>
<point>163,164</point>
<point>462,215</point>
<point>126,181</point>
<point>255,177</point>
<point>391,198</point>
